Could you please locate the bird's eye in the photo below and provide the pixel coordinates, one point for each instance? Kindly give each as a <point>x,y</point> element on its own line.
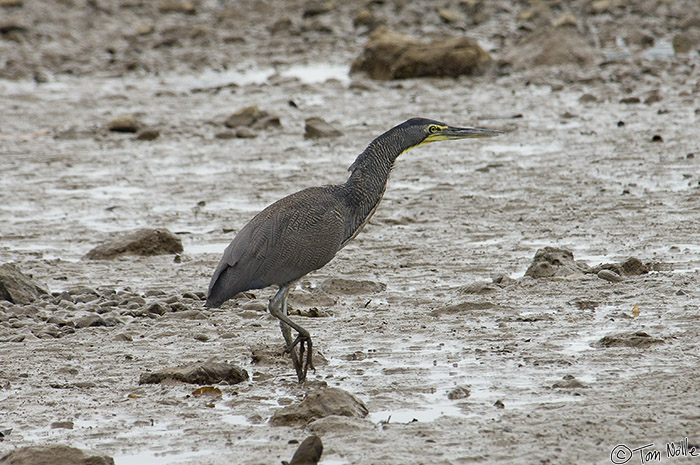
<point>432,129</point>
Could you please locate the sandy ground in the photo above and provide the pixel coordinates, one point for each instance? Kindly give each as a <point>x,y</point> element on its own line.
<point>567,174</point>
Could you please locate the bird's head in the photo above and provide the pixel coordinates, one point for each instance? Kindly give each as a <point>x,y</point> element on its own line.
<point>419,131</point>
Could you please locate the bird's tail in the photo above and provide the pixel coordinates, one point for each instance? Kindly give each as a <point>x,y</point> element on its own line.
<point>225,284</point>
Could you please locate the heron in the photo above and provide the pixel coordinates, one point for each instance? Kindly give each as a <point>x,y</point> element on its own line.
<point>302,232</point>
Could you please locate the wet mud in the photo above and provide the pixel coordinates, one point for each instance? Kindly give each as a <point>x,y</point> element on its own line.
<point>427,317</point>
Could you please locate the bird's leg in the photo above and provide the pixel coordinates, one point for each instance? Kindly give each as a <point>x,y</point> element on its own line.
<point>278,309</point>
<point>300,338</point>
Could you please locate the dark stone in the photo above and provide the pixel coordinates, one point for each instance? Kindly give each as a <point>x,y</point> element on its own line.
<point>391,55</point>
<point>53,455</point>
<point>124,123</point>
<point>16,287</point>
<point>141,242</point>
<point>308,453</point>
<point>203,373</point>
<point>318,404</point>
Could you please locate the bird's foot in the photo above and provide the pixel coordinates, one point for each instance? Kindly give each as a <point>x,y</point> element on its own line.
<point>302,365</point>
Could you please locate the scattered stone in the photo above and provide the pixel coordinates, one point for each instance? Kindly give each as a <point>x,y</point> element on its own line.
<point>18,288</point>
<point>552,47</point>
<point>245,132</point>
<point>316,128</point>
<point>339,424</point>
<point>281,25</point>
<point>450,16</point>
<point>630,100</point>
<point>638,339</point>
<point>631,266</point>
<point>62,425</point>
<point>203,373</point>
<point>90,321</point>
<point>568,382</point>
<point>143,242</point>
<point>11,3</point>
<point>652,97</point>
<point>458,392</point>
<point>499,404</point>
<point>657,138</point>
<point>176,6</point>
<point>555,261</point>
<point>4,433</point>
<point>148,134</point>
<point>586,98</point>
<point>462,308</point>
<point>335,286</point>
<point>640,39</point>
<point>124,123</point>
<point>318,404</point>
<point>687,41</point>
<point>12,29</point>
<point>609,275</point>
<point>308,453</point>
<point>53,455</point>
<point>391,55</point>
<point>364,17</point>
<point>316,7</point>
<point>566,19</point>
<point>252,117</point>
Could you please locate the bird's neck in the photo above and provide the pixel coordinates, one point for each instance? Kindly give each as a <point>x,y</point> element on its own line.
<point>366,185</point>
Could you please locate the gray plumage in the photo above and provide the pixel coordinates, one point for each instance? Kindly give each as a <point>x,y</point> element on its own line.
<point>303,231</point>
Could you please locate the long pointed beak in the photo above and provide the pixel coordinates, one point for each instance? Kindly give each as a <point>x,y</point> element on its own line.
<point>462,133</point>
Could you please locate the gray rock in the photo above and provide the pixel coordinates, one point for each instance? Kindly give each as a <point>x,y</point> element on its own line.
<point>202,373</point>
<point>459,392</point>
<point>568,382</point>
<point>554,261</point>
<point>339,424</point>
<point>462,308</point>
<point>687,41</point>
<point>16,287</point>
<point>391,55</point>
<point>148,134</point>
<point>638,339</point>
<point>90,321</point>
<point>158,241</point>
<point>251,117</point>
<point>609,275</point>
<point>53,455</point>
<point>316,128</point>
<point>318,404</point>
